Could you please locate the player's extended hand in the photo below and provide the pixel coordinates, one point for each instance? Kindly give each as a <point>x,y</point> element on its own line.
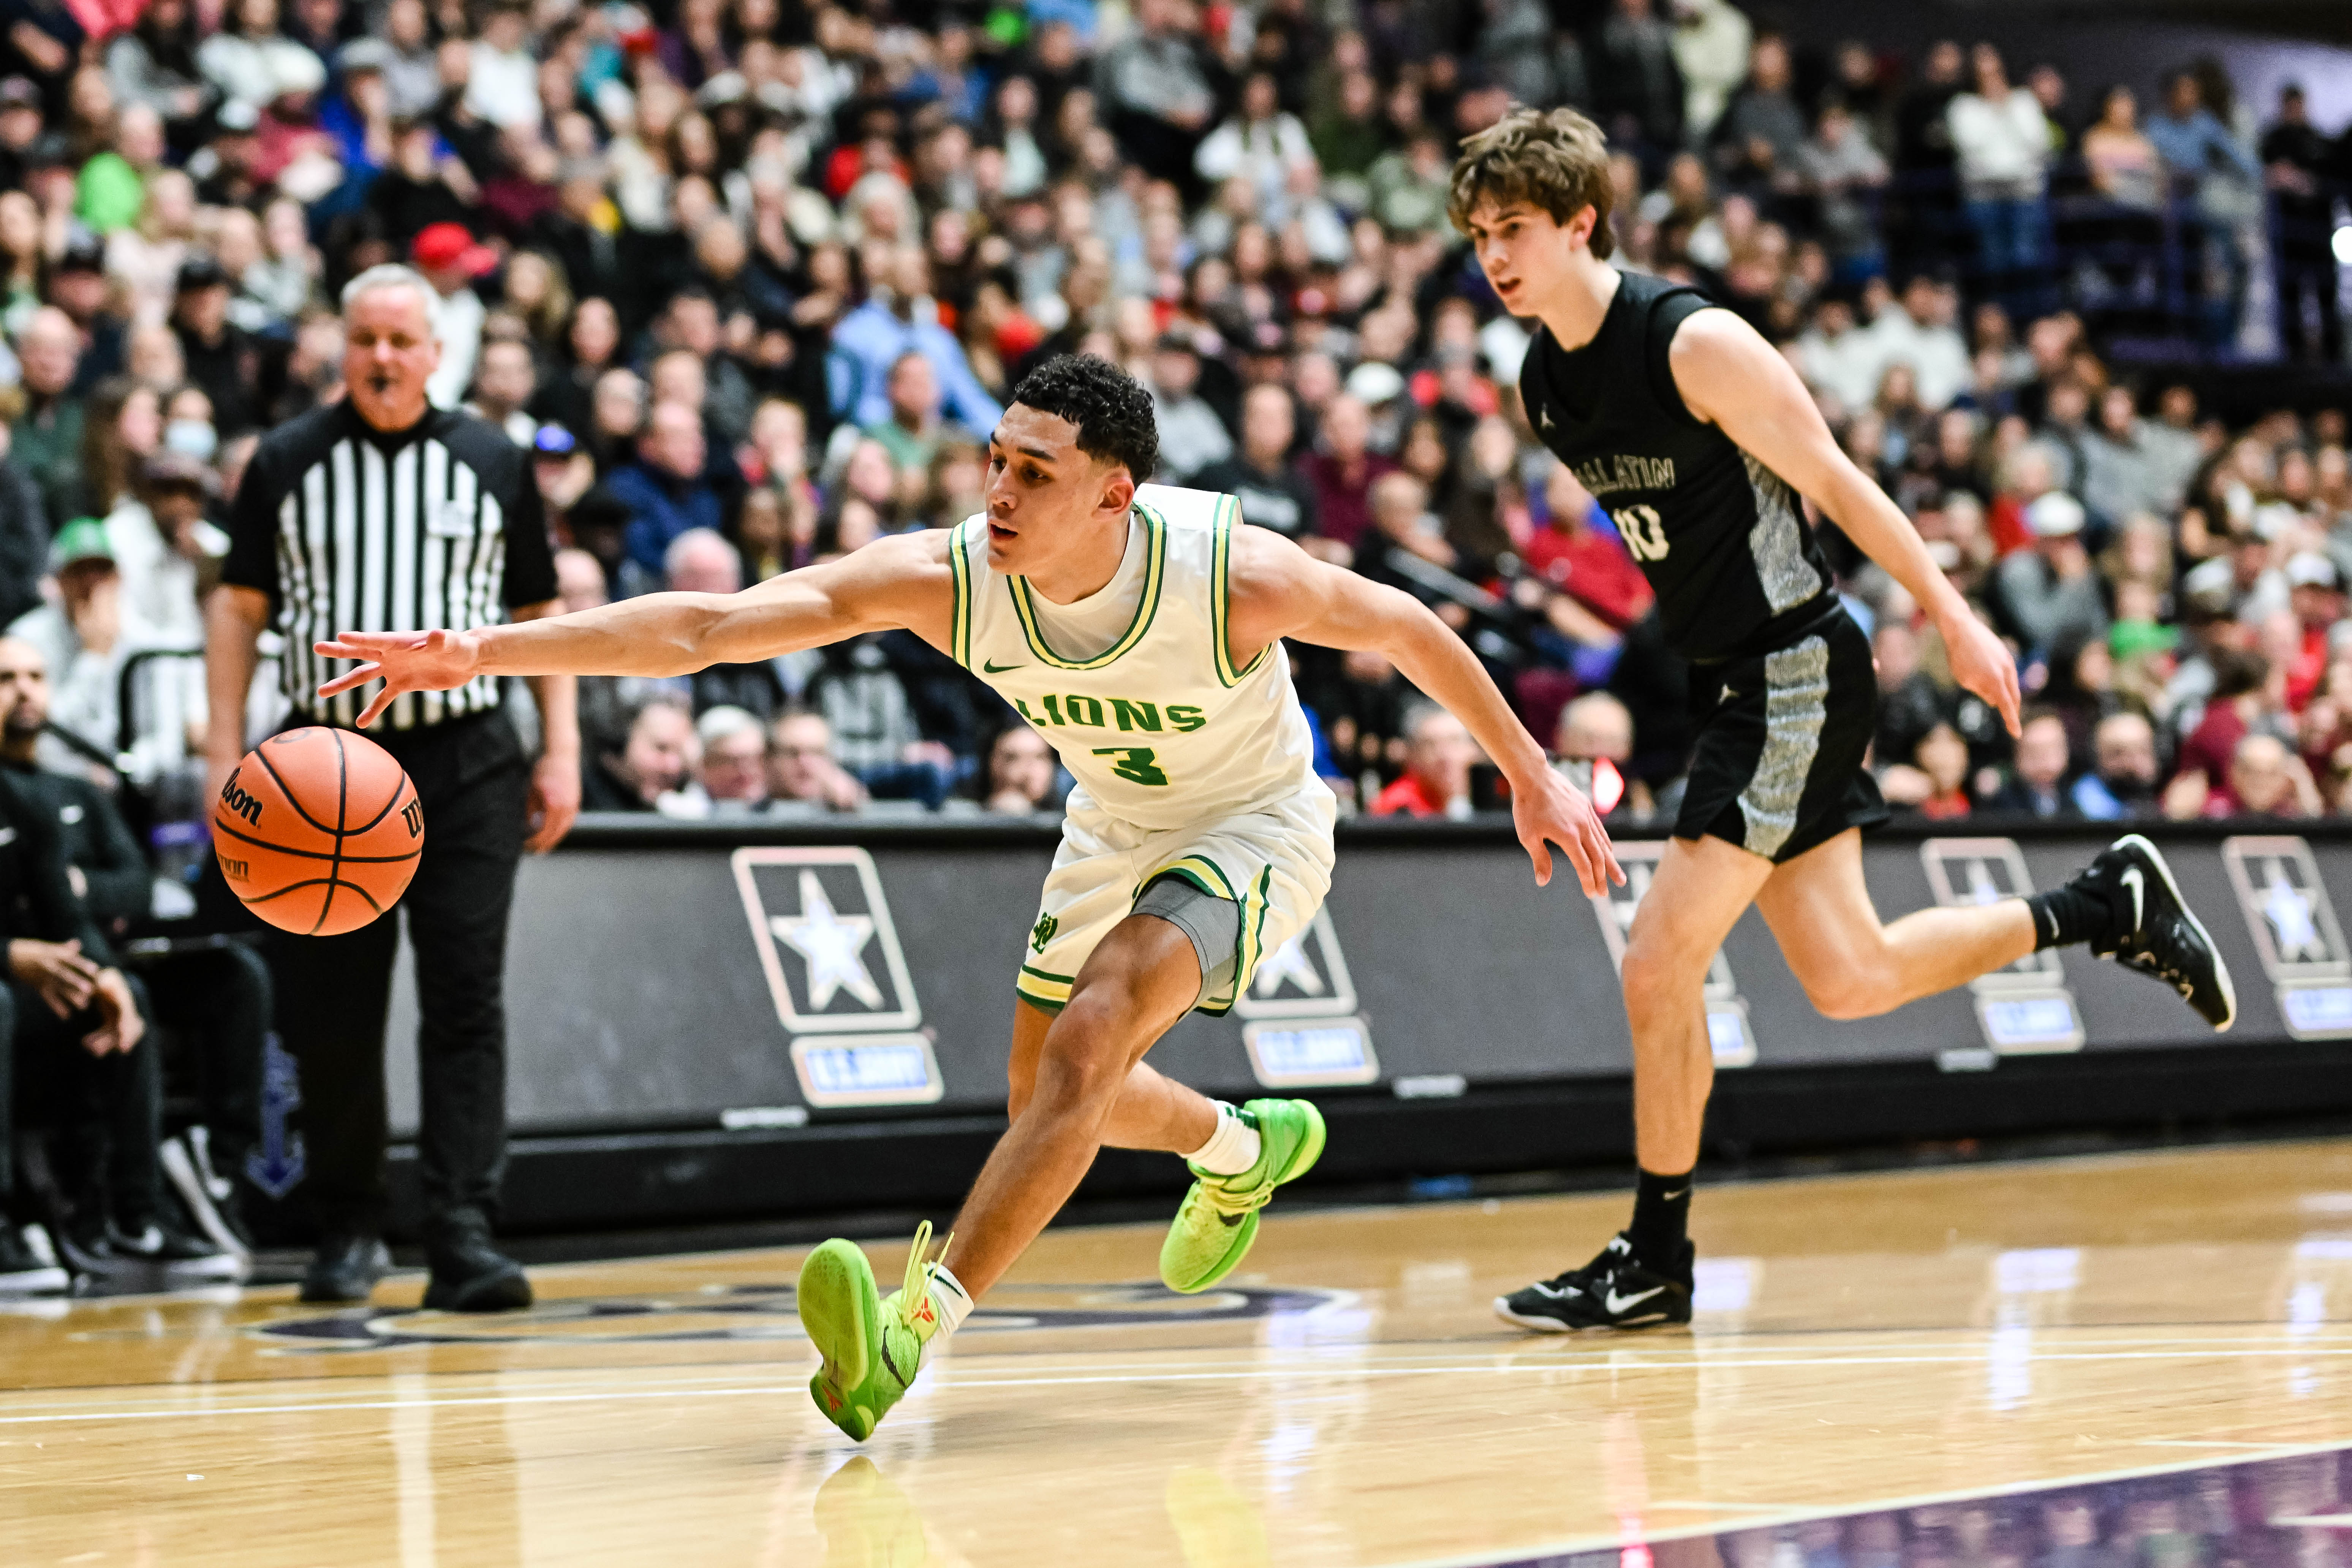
<point>408,661</point>
<point>1980,663</point>
<point>1546,809</point>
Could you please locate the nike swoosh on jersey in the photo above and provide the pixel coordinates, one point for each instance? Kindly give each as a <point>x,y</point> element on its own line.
<point>1616,1303</point>
<point>990,667</point>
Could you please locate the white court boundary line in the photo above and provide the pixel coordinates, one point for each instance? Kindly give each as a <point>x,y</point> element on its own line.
<point>1234,1374</point>
<point>1561,1354</point>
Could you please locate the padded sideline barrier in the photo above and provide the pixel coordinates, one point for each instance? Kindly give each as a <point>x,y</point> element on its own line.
<point>690,993</point>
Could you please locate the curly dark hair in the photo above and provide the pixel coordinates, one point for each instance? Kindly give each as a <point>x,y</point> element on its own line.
<point>1110,408</point>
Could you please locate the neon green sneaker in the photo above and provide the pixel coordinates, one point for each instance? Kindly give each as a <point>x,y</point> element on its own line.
<point>1214,1230</point>
<point>873,1345</point>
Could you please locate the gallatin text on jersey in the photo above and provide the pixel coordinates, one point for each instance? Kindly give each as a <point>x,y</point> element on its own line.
<point>1623,472</point>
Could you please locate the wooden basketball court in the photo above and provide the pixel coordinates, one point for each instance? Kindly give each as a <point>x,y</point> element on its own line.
<point>1865,1342</point>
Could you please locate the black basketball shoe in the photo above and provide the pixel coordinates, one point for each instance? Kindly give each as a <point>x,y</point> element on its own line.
<point>23,1271</point>
<point>469,1273</point>
<point>161,1242</point>
<point>347,1264</point>
<point>2157,932</point>
<point>1615,1291</point>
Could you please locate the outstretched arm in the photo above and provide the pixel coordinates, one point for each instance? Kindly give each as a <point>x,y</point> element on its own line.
<point>901,582</point>
<point>1735,380</point>
<point>1279,590</point>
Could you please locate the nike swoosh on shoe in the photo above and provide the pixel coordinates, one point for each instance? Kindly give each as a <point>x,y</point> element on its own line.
<point>1616,1303</point>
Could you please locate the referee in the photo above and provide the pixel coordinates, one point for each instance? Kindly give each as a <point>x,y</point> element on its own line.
<point>380,511</point>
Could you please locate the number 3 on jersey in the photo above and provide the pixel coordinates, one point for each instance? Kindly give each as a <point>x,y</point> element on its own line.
<point>1644,532</point>
<point>1135,763</point>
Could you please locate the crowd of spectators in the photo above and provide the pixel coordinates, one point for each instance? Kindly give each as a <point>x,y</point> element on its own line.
<point>753,278</point>
<point>2236,1513</point>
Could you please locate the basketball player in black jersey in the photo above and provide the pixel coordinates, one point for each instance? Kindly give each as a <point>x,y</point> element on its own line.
<point>1697,438</point>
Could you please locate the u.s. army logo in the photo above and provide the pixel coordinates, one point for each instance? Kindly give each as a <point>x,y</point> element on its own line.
<point>1306,977</point>
<point>821,928</point>
<point>1300,1026</point>
<point>2027,1006</point>
<point>2292,921</point>
<point>1729,1034</point>
<point>2286,906</point>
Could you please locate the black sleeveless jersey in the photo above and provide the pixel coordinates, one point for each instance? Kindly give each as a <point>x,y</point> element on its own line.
<point>1721,538</point>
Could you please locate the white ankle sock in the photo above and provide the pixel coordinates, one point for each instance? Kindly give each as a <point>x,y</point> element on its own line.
<point>1231,1149</point>
<point>950,1300</point>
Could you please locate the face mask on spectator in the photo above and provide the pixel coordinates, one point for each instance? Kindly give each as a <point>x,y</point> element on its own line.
<point>191,438</point>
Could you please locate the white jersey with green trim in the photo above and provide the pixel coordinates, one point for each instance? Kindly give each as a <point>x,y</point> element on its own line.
<point>1159,728</point>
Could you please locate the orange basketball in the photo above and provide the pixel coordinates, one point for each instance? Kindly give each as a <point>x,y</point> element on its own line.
<point>317,831</point>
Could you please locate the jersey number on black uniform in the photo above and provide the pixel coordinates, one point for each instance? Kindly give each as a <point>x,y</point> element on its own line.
<point>1644,532</point>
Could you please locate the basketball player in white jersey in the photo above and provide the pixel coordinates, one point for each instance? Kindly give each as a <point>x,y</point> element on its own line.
<point>1139,628</point>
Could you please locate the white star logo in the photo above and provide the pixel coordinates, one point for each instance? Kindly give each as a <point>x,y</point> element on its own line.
<point>1623,905</point>
<point>2289,913</point>
<point>1289,962</point>
<point>831,944</point>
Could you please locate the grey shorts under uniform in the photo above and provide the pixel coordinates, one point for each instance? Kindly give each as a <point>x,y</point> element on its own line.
<point>1213,924</point>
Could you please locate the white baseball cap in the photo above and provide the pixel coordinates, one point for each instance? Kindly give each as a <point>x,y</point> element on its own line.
<point>2055,515</point>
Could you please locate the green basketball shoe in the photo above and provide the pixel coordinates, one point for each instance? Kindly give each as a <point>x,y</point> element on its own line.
<point>1214,1230</point>
<point>872,1346</point>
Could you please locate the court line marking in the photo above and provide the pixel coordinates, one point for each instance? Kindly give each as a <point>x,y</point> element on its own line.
<point>603,1395</point>
<point>1344,1361</point>
<point>1530,1557</point>
<point>1560,1353</point>
<point>1261,1373</point>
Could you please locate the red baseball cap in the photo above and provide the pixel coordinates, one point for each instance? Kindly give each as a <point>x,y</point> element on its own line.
<point>444,245</point>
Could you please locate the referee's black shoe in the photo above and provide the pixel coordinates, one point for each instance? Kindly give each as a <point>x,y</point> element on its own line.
<point>2155,931</point>
<point>470,1274</point>
<point>346,1266</point>
<point>1615,1291</point>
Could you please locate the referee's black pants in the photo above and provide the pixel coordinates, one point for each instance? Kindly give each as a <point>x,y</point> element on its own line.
<point>333,993</point>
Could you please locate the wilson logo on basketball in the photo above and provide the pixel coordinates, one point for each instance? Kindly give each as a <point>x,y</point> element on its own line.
<point>237,801</point>
<point>341,838</point>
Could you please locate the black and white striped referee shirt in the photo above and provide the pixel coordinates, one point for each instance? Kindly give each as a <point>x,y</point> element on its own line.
<point>347,528</point>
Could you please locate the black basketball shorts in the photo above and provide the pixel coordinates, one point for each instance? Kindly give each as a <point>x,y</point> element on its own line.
<point>1777,765</point>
